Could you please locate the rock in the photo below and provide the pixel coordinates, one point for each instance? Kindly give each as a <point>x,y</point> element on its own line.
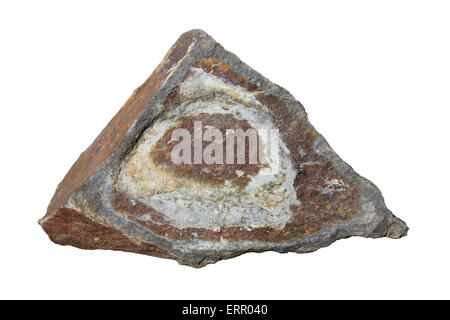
<point>137,188</point>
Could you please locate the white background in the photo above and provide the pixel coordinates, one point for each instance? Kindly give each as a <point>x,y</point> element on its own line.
<point>374,77</point>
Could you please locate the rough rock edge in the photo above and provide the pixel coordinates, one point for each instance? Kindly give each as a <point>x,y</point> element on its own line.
<point>95,167</point>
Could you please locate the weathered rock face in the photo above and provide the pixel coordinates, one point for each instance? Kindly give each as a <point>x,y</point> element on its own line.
<point>126,192</point>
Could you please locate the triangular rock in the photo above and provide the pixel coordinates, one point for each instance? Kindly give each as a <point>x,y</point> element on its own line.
<point>127,192</point>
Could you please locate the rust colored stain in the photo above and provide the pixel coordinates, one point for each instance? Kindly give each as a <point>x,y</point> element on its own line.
<point>207,173</point>
<point>223,70</point>
<point>173,98</point>
<point>70,227</point>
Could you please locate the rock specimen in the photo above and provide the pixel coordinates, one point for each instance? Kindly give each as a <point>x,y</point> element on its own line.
<point>136,189</point>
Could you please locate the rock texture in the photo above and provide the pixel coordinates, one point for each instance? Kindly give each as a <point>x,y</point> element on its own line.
<point>124,193</point>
